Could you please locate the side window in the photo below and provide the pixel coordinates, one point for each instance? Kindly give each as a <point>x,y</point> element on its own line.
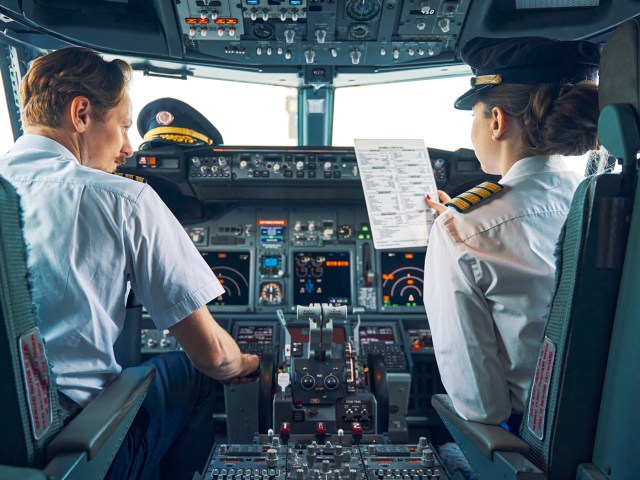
<point>6,135</point>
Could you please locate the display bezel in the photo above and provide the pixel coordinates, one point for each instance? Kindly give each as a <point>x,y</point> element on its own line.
<point>311,250</point>
<point>249,307</point>
<point>379,291</point>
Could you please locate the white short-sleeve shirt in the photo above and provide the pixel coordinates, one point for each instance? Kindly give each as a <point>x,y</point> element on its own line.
<point>489,282</point>
<point>91,236</point>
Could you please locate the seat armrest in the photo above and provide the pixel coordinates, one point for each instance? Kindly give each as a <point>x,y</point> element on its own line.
<point>91,428</point>
<point>486,438</point>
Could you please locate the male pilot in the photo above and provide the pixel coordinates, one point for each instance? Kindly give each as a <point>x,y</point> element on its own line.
<point>91,237</point>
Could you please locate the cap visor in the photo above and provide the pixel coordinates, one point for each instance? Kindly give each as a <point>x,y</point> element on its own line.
<point>468,99</point>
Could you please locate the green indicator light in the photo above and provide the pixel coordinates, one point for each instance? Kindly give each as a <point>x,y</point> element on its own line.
<point>360,237</point>
<point>365,228</point>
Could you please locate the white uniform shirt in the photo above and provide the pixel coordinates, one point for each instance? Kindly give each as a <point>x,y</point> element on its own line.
<point>489,282</point>
<point>90,237</point>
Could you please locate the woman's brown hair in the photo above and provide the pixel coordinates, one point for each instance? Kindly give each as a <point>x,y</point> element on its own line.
<point>555,119</point>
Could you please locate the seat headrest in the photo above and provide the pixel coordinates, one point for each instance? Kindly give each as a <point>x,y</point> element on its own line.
<point>620,67</point>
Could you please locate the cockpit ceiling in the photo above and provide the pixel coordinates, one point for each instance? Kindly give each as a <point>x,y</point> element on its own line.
<point>302,42</point>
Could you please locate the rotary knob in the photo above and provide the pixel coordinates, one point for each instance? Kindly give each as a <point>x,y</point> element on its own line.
<point>307,382</point>
<point>331,382</point>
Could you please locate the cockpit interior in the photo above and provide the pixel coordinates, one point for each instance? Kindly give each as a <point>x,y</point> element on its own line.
<point>348,386</point>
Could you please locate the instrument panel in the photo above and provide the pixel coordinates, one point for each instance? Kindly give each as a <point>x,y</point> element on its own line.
<point>270,258</point>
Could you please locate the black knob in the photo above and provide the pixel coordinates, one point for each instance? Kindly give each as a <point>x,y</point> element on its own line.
<point>331,382</point>
<point>308,382</point>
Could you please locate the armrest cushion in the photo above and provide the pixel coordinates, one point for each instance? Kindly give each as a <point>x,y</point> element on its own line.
<point>486,438</point>
<point>99,419</point>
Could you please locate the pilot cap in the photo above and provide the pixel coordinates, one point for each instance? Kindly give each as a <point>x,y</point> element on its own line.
<point>168,120</point>
<point>526,60</point>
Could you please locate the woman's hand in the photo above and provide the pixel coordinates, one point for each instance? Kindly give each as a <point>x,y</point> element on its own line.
<point>438,205</point>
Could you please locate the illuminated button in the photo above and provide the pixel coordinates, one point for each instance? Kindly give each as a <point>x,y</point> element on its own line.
<point>192,31</point>
<point>276,167</point>
<point>365,228</point>
<point>220,31</point>
<point>327,165</point>
<point>321,428</point>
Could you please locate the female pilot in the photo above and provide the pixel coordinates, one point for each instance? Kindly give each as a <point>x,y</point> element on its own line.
<point>490,267</point>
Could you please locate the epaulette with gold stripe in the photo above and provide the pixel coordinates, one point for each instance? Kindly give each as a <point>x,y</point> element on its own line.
<point>131,177</point>
<point>468,199</point>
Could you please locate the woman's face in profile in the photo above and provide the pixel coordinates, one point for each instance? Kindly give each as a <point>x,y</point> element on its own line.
<point>483,144</point>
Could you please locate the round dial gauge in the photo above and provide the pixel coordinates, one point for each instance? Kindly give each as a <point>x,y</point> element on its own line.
<point>345,232</point>
<point>271,293</point>
<point>359,31</point>
<point>363,9</point>
<point>263,31</point>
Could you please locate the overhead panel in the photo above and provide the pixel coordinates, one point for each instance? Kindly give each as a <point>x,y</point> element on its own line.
<point>376,33</point>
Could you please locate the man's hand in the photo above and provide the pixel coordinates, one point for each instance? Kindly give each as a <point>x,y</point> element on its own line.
<point>438,205</point>
<point>250,364</point>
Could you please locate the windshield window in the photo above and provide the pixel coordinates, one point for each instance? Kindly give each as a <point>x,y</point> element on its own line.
<point>419,109</point>
<point>244,113</point>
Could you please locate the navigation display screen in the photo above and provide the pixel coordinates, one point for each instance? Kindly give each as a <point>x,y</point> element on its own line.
<point>322,277</point>
<point>376,333</point>
<point>301,334</point>
<point>233,270</point>
<point>402,278</point>
<point>254,334</point>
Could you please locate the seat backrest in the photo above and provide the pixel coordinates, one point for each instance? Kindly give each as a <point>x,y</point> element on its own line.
<point>561,421</point>
<point>28,398</point>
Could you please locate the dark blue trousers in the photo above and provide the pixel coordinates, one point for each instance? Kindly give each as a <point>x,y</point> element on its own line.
<point>172,434</point>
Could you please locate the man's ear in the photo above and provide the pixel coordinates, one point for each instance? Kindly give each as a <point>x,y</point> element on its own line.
<point>80,111</point>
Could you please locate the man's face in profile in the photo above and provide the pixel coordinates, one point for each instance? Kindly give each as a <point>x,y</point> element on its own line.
<point>108,139</point>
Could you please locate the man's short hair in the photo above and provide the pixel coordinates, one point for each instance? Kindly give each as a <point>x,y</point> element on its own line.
<point>55,79</point>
